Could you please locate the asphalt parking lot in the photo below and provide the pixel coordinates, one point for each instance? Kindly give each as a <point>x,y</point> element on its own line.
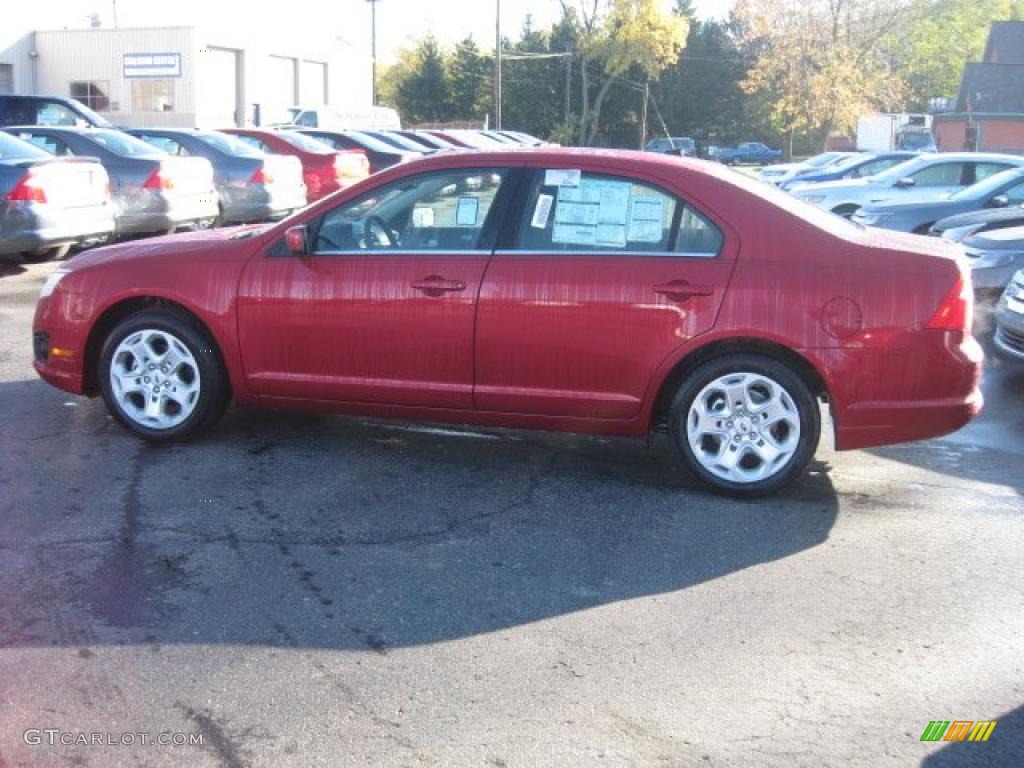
<point>318,591</point>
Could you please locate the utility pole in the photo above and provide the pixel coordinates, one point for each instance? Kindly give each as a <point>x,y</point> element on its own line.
<point>568,88</point>
<point>643,121</point>
<point>497,67</point>
<point>373,48</point>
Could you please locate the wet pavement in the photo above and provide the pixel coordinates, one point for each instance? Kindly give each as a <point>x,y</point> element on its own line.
<point>320,591</point>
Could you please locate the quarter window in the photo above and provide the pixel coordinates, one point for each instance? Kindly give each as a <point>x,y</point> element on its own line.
<point>443,211</point>
<point>983,170</point>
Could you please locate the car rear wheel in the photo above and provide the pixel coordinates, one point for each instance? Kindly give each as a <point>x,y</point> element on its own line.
<point>161,376</point>
<point>745,424</point>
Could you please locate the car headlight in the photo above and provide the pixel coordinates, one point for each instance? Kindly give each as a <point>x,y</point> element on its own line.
<point>51,282</point>
<point>958,234</point>
<point>871,219</point>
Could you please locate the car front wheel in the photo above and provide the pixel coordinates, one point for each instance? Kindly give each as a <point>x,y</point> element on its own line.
<point>161,377</point>
<point>745,424</point>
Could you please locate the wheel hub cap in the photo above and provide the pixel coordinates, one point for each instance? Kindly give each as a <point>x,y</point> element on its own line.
<point>154,379</point>
<point>743,427</point>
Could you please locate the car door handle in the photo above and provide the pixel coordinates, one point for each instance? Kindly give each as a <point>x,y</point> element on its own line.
<point>681,290</point>
<point>435,285</point>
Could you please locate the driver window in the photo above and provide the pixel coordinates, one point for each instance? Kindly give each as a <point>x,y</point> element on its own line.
<point>443,211</point>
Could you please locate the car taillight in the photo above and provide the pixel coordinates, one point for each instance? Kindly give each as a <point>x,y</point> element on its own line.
<point>29,189</point>
<point>351,165</point>
<point>160,178</point>
<point>261,177</point>
<point>956,312</point>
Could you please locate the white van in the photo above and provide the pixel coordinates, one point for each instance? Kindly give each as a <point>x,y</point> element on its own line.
<point>332,118</point>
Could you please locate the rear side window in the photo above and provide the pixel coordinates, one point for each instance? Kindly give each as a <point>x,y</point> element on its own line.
<point>165,144</point>
<point>572,212</point>
<point>49,144</point>
<point>255,143</point>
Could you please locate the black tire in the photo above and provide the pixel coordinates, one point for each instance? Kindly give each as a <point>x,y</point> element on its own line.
<point>214,390</point>
<point>53,253</point>
<point>799,395</point>
<point>846,211</point>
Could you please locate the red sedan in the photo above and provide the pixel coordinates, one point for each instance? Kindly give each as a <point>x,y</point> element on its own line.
<point>575,290</point>
<point>324,168</point>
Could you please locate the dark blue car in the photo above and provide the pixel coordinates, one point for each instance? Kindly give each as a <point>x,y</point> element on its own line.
<point>859,166</point>
<point>752,152</point>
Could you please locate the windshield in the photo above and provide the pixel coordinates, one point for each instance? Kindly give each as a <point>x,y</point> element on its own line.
<point>94,118</point>
<point>990,186</point>
<point>917,140</point>
<point>307,143</point>
<point>825,158</point>
<point>122,144</point>
<point>371,142</point>
<point>15,149</point>
<point>396,141</point>
<point>228,144</point>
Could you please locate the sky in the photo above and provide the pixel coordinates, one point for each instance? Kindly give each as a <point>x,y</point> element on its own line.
<point>399,22</point>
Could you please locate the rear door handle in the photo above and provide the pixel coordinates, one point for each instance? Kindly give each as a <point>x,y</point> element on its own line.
<point>681,290</point>
<point>435,285</point>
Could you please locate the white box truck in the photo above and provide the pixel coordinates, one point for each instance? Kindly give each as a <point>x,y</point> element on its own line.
<point>882,132</point>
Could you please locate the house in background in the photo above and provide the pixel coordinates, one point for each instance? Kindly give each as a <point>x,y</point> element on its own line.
<point>989,112</point>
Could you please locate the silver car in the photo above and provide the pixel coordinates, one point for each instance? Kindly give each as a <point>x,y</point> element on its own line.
<point>926,177</point>
<point>994,257</point>
<point>1009,336</point>
<point>48,205</point>
<point>152,191</point>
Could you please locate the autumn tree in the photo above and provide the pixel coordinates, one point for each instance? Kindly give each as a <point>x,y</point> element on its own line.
<point>615,37</point>
<point>822,63</point>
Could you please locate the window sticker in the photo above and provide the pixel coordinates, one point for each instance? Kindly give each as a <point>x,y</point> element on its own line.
<point>562,178</point>
<point>467,211</point>
<point>594,213</point>
<point>645,220</point>
<point>542,212</point>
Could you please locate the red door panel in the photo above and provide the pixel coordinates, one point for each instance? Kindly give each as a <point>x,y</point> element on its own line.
<point>581,335</point>
<point>383,328</point>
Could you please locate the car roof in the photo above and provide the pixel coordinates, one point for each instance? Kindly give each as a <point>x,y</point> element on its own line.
<point>63,128</point>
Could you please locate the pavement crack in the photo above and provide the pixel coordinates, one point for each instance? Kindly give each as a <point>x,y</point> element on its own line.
<point>223,745</point>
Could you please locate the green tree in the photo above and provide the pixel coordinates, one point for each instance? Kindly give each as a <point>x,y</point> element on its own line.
<point>470,76</point>
<point>422,95</point>
<point>940,37</point>
<point>614,37</point>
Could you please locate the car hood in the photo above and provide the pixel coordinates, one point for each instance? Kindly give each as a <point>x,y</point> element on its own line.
<point>1009,239</point>
<point>984,216</point>
<point>209,244</point>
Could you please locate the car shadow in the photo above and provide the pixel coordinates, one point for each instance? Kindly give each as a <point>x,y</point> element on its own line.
<point>1005,747</point>
<point>320,531</point>
<point>10,265</point>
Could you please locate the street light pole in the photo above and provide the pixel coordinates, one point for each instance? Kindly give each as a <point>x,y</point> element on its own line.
<point>373,48</point>
<point>497,67</point>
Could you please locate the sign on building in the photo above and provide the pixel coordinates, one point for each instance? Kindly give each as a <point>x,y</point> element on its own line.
<point>152,65</point>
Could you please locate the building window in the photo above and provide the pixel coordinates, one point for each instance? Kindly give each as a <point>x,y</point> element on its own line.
<point>93,94</point>
<point>152,95</point>
<point>6,78</point>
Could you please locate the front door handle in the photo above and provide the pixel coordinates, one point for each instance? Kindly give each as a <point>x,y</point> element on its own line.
<point>681,290</point>
<point>435,285</point>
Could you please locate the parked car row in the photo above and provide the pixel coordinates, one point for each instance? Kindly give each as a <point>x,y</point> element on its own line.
<point>976,199</point>
<point>139,181</point>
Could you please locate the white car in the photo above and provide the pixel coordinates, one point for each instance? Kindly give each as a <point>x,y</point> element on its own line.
<point>926,177</point>
<point>777,174</point>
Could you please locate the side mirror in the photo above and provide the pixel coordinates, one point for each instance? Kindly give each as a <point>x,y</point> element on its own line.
<point>904,183</point>
<point>999,201</point>
<point>296,238</point>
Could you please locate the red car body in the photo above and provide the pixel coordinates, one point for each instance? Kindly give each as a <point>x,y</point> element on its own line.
<point>875,322</point>
<point>324,171</point>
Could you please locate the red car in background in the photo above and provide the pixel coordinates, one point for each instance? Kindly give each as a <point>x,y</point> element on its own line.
<point>324,168</point>
<point>593,291</point>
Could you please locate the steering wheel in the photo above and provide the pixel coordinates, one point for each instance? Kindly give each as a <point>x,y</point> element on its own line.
<point>378,233</point>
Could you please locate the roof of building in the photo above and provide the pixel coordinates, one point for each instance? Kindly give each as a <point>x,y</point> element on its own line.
<point>992,88</point>
<point>1005,43</point>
